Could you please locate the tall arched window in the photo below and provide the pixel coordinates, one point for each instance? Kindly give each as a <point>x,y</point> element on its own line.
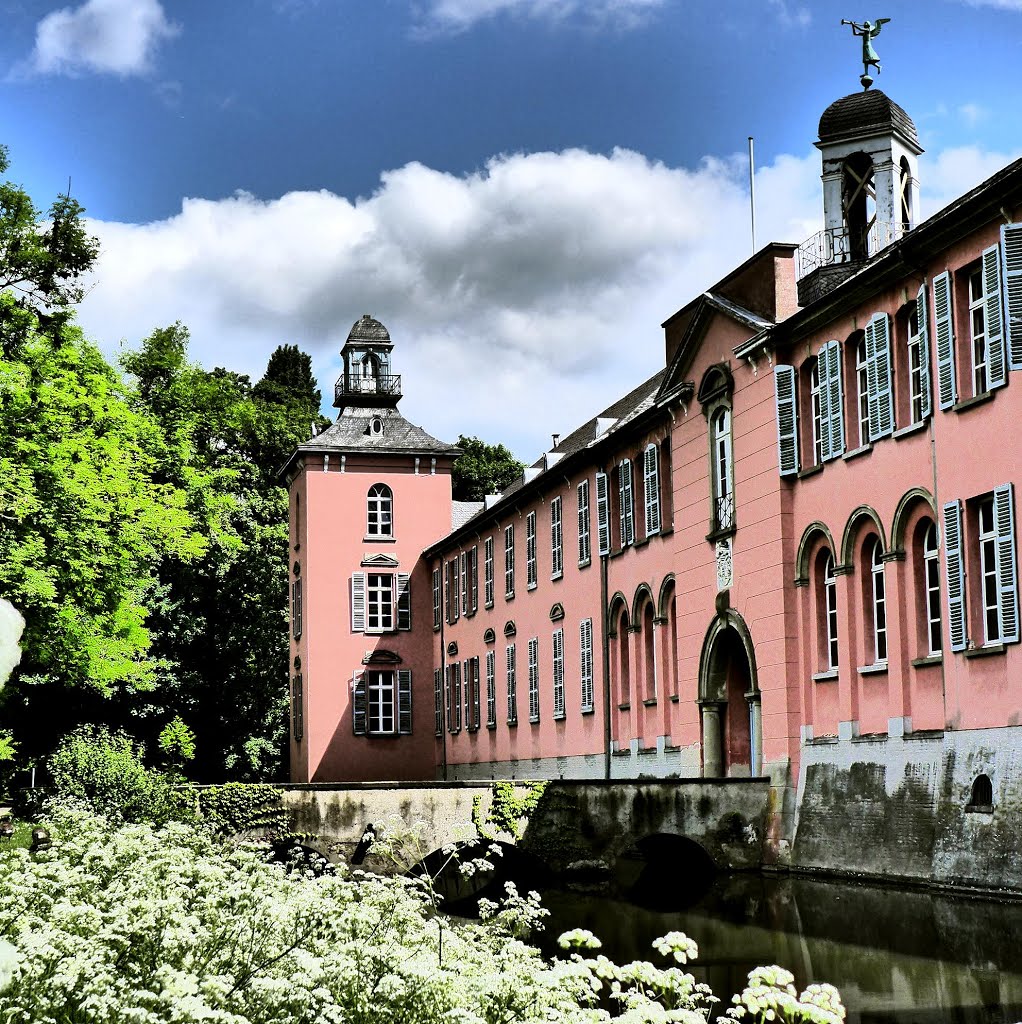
<point>827,612</point>
<point>723,471</point>
<point>878,600</point>
<point>649,651</point>
<point>905,192</point>
<point>931,585</point>
<point>859,202</point>
<point>624,682</point>
<point>380,511</point>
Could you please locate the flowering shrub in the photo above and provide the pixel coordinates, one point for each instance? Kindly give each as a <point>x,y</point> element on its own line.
<point>127,922</point>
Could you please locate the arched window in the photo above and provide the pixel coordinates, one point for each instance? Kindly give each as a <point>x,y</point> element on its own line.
<point>649,651</point>
<point>624,682</point>
<point>859,203</point>
<point>723,471</point>
<point>905,191</point>
<point>982,792</point>
<point>380,511</point>
<point>930,579</point>
<point>878,600</point>
<point>827,612</point>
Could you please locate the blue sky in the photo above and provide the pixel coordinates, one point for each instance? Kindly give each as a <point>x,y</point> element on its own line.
<point>522,190</point>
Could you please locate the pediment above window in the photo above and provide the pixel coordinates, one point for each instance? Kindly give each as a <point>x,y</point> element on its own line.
<point>380,562</point>
<point>509,628</point>
<point>489,636</point>
<point>381,657</point>
<point>717,383</point>
<point>452,650</point>
<point>557,612</point>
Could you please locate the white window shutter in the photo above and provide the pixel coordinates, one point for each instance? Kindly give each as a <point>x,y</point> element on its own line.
<point>878,376</point>
<point>603,513</point>
<point>925,386</point>
<point>787,419</point>
<point>359,704</point>
<point>955,570</point>
<point>944,334</point>
<point>404,601</point>
<point>404,701</point>
<point>835,401</point>
<point>585,638</point>
<point>1011,253</point>
<point>651,485</point>
<point>358,602</point>
<point>624,470</point>
<point>1007,569</point>
<point>822,369</point>
<point>997,367</point>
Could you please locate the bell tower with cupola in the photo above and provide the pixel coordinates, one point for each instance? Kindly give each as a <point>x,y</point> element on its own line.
<point>366,379</point>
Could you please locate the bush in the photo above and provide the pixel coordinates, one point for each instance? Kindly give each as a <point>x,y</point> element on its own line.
<point>104,770</point>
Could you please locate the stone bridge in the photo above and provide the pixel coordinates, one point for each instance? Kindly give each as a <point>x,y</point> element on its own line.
<point>574,822</point>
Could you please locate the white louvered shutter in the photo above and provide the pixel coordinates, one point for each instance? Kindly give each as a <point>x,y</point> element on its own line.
<point>475,693</point>
<point>512,685</point>
<point>835,401</point>
<point>651,486</point>
<point>473,580</point>
<point>603,513</point>
<point>534,680</point>
<point>624,479</point>
<point>997,365</point>
<point>491,688</point>
<point>823,398</point>
<point>404,701</point>
<point>878,377</point>
<point>558,666</point>
<point>1011,253</point>
<point>404,601</point>
<point>787,420</point>
<point>944,335</point>
<point>359,704</point>
<point>925,385</point>
<point>1007,566</point>
<point>467,673</point>
<point>585,639</point>
<point>358,602</point>
<point>955,571</point>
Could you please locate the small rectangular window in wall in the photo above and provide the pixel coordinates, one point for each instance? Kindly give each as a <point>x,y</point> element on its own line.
<point>585,643</point>
<point>381,702</point>
<point>556,540</point>
<point>530,551</point>
<point>534,679</point>
<point>491,690</point>
<point>509,561</point>
<point>488,572</point>
<point>585,553</point>
<point>436,598</point>
<point>438,701</point>
<point>512,685</point>
<point>603,513</point>
<point>558,667</point>
<point>651,488</point>
<point>296,609</point>
<point>297,713</point>
<point>453,601</point>
<point>919,387</point>
<point>627,497</point>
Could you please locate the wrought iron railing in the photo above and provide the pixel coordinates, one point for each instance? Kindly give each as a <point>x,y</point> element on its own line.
<point>843,245</point>
<point>349,384</point>
<point>725,512</point>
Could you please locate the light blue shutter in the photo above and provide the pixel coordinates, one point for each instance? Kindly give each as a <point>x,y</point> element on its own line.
<point>878,377</point>
<point>997,369</point>
<point>1007,572</point>
<point>832,420</point>
<point>944,333</point>
<point>404,601</point>
<point>404,701</point>
<point>651,486</point>
<point>603,513</point>
<point>787,420</point>
<point>823,397</point>
<point>1011,246</point>
<point>923,318</point>
<point>358,602</point>
<point>359,704</point>
<point>955,572</point>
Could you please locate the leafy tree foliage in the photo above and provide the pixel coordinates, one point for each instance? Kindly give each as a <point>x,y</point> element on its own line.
<point>483,469</point>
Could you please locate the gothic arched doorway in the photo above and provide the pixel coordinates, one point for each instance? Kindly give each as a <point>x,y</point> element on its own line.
<point>729,699</point>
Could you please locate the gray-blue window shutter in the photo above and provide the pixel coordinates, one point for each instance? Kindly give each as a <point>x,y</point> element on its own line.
<point>835,401</point>
<point>954,564</point>
<point>404,601</point>
<point>603,513</point>
<point>878,377</point>
<point>997,368</point>
<point>925,386</point>
<point>358,602</point>
<point>1007,567</point>
<point>404,701</point>
<point>1011,253</point>
<point>822,370</point>
<point>944,335</point>
<point>785,399</point>
<point>359,704</point>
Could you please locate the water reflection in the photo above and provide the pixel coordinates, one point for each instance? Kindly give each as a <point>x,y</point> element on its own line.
<point>898,957</point>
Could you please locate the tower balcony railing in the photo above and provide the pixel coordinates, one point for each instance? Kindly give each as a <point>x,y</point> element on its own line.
<point>351,384</point>
<point>843,245</point>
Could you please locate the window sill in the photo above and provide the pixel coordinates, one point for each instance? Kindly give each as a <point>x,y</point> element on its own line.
<point>855,452</point>
<point>674,698</point>
<point>557,576</point>
<point>645,751</point>
<point>969,403</point>
<point>930,659</point>
<point>821,741</point>
<point>532,586</point>
<point>509,597</point>
<point>626,752</point>
<point>436,629</point>
<point>588,711</point>
<point>641,543</point>
<point>714,535</point>
<point>624,707</point>
<point>822,677</point>
<point>533,721</point>
<point>912,428</point>
<point>373,539</point>
<point>585,565</point>
<point>650,702</point>
<point>512,723</point>
<point>878,668</point>
<point>811,471</point>
<point>559,718</point>
<point>491,726</point>
<point>488,605</point>
<point>979,809</point>
<point>984,652</point>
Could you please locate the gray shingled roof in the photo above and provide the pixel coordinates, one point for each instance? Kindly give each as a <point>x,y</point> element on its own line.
<point>869,111</point>
<point>351,432</point>
<point>368,329</point>
<point>463,511</point>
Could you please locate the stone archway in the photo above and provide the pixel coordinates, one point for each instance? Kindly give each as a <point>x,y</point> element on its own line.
<point>729,700</point>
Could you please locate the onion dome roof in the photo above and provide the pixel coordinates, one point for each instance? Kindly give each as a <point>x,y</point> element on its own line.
<point>866,113</point>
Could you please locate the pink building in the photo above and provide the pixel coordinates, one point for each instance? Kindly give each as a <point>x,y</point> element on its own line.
<point>791,553</point>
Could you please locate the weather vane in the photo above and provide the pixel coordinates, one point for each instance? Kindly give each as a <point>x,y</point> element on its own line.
<point>869,30</point>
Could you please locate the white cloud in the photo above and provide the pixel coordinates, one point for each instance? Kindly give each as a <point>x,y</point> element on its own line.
<point>457,15</point>
<point>103,36</point>
<point>1003,5</point>
<point>791,15</point>
<point>953,172</point>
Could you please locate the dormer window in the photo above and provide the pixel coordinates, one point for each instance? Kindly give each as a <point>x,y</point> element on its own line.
<point>380,511</point>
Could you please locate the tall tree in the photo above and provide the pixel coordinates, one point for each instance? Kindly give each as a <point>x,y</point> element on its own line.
<point>482,469</point>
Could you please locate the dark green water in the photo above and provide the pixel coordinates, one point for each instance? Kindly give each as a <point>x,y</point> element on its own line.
<point>898,957</point>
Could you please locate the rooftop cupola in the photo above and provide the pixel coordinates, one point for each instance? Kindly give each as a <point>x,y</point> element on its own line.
<point>870,150</point>
<point>366,381</point>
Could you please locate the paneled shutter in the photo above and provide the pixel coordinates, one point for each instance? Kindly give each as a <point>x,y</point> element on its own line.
<point>944,333</point>
<point>475,693</point>
<point>1011,246</point>
<point>358,602</point>
<point>955,568</point>
<point>624,479</point>
<point>997,367</point>
<point>438,701</point>
<point>559,673</point>
<point>787,419</point>
<point>404,601</point>
<point>467,672</point>
<point>823,397</point>
<point>404,701</point>
<point>512,686</point>
<point>651,482</point>
<point>359,704</point>
<point>603,513</point>
<point>474,580</point>
<point>835,401</point>
<point>925,387</point>
<point>878,376</point>
<point>456,696</point>
<point>1007,571</point>
<point>585,637</point>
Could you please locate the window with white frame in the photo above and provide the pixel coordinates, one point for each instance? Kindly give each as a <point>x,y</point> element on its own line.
<point>878,601</point>
<point>488,572</point>
<point>585,643</point>
<point>380,511</point>
<point>626,498</point>
<point>556,540</point>
<point>817,410</point>
<point>987,538</point>
<point>534,679</point>
<point>919,399</point>
<point>380,602</point>
<point>651,488</point>
<point>382,702</point>
<point>558,673</point>
<point>931,585</point>
<point>977,328</point>
<point>509,561</point>
<point>723,470</point>
<point>585,553</point>
<point>828,613</point>
<point>512,685</point>
<point>530,551</point>
<point>491,690</point>
<point>436,598</point>
<point>603,513</point>
<point>862,390</point>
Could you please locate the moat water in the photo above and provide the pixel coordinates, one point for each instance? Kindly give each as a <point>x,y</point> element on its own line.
<point>897,956</point>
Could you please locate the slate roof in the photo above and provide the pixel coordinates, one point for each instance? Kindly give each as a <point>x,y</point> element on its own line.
<point>463,511</point>
<point>369,329</point>
<point>870,112</point>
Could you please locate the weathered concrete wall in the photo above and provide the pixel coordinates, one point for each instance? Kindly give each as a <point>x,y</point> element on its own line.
<point>898,807</point>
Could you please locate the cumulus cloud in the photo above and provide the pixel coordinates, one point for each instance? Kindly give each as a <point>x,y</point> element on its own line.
<point>521,298</point>
<point>955,171</point>
<point>458,15</point>
<point>102,36</point>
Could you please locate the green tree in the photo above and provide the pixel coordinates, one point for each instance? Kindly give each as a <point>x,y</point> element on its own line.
<point>482,469</point>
